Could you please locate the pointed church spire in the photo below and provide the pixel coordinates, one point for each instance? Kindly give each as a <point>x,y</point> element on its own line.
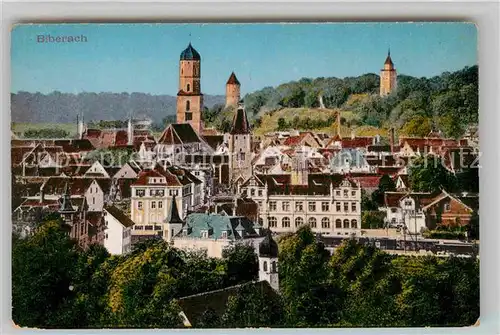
<point>173,214</point>
<point>66,205</point>
<point>240,122</point>
<point>388,60</point>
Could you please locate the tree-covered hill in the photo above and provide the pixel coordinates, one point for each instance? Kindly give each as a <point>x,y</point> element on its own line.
<point>448,102</point>
<point>58,107</point>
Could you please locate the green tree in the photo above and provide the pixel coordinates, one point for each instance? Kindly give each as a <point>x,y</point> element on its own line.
<point>369,285</point>
<point>282,124</point>
<point>367,203</point>
<point>43,268</point>
<point>253,307</point>
<point>419,126</point>
<point>385,184</point>
<point>372,220</point>
<point>428,174</point>
<point>303,274</point>
<point>242,264</point>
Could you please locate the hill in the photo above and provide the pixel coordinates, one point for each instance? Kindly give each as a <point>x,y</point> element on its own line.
<point>58,107</point>
<point>448,102</point>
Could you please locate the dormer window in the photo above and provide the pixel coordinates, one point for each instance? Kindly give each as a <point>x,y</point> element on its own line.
<point>204,233</point>
<point>224,234</point>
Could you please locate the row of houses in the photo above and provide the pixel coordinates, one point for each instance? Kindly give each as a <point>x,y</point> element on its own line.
<point>280,182</point>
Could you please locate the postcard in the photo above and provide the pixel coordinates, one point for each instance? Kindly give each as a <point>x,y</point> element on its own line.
<point>245,175</point>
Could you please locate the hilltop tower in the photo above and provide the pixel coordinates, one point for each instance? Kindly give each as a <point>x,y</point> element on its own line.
<point>388,76</point>
<point>189,97</point>
<point>232,91</point>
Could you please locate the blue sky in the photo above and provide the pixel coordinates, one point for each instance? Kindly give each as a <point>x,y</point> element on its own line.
<point>144,57</point>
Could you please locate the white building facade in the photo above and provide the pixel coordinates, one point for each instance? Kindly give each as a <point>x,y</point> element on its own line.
<point>330,206</point>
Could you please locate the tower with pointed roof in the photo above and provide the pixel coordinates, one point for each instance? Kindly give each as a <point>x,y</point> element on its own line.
<point>173,220</point>
<point>239,146</point>
<point>189,97</point>
<point>66,207</point>
<point>388,76</point>
<point>268,261</point>
<point>232,91</point>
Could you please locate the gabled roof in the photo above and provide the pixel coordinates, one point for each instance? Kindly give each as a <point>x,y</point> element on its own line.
<point>445,195</point>
<point>143,178</point>
<point>392,199</point>
<point>298,140</point>
<point>240,122</point>
<point>233,80</point>
<point>179,133</point>
<point>195,306</point>
<point>119,216</point>
<point>214,140</point>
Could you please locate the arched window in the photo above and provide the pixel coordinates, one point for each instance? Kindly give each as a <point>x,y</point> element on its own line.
<point>354,224</point>
<point>325,222</point>
<point>299,221</point>
<point>272,222</point>
<point>285,222</point>
<point>338,223</point>
<point>188,87</point>
<point>273,266</point>
<point>188,105</point>
<point>265,266</point>
<point>346,223</point>
<point>312,222</point>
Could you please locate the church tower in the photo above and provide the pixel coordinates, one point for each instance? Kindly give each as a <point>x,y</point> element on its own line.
<point>240,144</point>
<point>268,261</point>
<point>232,91</point>
<point>66,208</point>
<point>189,97</point>
<point>388,76</point>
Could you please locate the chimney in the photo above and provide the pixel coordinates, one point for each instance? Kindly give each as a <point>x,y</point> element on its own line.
<point>130,132</point>
<point>391,139</point>
<point>42,195</point>
<point>338,123</point>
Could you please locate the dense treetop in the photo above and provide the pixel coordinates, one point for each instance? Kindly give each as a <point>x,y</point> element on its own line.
<point>448,102</point>
<point>56,285</point>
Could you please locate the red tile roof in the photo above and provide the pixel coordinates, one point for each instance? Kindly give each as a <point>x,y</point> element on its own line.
<point>368,181</point>
<point>143,178</point>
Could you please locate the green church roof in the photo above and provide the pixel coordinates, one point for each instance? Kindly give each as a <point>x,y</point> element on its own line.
<point>190,53</point>
<point>217,224</point>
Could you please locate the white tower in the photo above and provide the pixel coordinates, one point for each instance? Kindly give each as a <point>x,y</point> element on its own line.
<point>80,123</point>
<point>130,132</point>
<point>268,261</point>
